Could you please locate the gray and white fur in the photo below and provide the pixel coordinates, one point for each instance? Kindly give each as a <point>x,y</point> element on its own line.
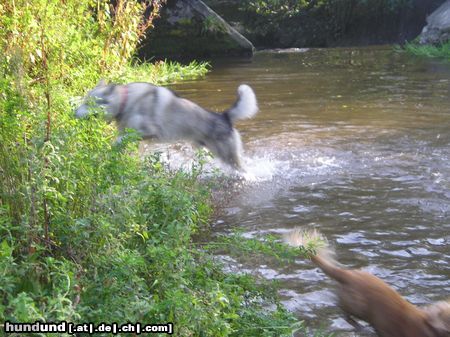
<point>157,112</point>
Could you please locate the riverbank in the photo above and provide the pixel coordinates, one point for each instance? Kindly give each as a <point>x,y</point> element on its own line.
<point>90,231</point>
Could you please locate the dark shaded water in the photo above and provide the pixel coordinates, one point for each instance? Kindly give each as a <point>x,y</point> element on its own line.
<point>354,142</point>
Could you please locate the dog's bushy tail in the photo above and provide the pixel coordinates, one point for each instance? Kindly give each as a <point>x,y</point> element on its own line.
<point>323,255</point>
<point>245,106</point>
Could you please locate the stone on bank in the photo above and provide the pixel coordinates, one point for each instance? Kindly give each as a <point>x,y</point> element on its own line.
<point>189,28</point>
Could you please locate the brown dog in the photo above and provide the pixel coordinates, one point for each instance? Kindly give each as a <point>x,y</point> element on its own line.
<point>367,297</point>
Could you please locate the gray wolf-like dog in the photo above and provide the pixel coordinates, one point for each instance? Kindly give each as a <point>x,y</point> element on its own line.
<point>157,112</point>
<point>365,296</point>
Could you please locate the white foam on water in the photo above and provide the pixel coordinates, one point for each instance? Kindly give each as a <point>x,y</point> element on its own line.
<point>261,168</point>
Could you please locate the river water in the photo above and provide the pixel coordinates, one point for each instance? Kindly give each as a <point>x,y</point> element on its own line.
<point>355,143</point>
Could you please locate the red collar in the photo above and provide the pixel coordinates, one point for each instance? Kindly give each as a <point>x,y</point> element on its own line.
<point>123,93</point>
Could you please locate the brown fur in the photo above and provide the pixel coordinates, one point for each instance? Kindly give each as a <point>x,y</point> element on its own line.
<point>367,297</point>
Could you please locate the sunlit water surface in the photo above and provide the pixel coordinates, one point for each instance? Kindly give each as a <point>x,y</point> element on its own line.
<point>354,142</point>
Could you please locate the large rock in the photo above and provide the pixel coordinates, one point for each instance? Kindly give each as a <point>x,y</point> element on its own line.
<point>437,29</point>
<point>329,23</point>
<point>189,28</point>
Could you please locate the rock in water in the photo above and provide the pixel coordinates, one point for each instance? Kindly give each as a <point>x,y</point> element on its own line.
<point>437,29</point>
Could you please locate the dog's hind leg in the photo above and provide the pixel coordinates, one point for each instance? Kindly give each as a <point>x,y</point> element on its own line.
<point>230,152</point>
<point>236,151</point>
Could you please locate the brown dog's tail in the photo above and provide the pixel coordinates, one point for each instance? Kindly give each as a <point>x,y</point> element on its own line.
<point>322,254</point>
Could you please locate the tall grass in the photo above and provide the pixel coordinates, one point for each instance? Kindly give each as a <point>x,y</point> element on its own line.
<point>162,72</point>
<point>438,51</point>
